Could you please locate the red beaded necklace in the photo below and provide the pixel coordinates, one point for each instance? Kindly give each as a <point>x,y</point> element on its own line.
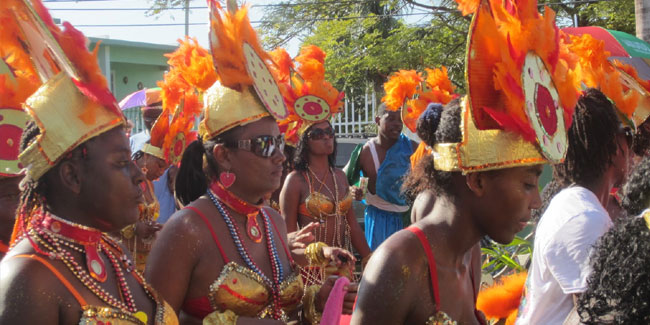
<point>89,238</point>
<point>240,206</point>
<point>54,233</point>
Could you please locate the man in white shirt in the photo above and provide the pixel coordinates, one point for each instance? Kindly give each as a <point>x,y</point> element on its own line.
<point>576,217</point>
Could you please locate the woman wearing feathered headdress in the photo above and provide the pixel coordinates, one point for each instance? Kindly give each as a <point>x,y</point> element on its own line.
<point>224,258</point>
<point>487,152</point>
<point>316,191</point>
<point>79,184</point>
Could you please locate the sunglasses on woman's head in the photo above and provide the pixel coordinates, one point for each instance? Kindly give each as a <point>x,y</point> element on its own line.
<point>320,134</point>
<point>263,146</point>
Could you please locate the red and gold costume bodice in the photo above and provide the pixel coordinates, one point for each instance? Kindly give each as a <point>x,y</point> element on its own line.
<point>243,291</point>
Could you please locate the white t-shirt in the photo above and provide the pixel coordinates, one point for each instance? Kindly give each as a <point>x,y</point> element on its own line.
<point>564,239</point>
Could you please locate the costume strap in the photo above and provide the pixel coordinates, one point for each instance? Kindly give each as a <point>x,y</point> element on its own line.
<point>432,263</point>
<point>306,176</point>
<point>286,250</point>
<point>58,274</point>
<point>214,235</point>
<point>375,157</point>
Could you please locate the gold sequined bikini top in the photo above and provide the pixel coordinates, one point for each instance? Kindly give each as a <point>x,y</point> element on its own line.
<point>149,211</point>
<point>317,205</point>
<point>243,291</point>
<point>96,315</point>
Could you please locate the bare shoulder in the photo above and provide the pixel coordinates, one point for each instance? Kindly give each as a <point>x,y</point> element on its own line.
<point>26,285</point>
<point>293,179</point>
<point>186,226</point>
<point>340,175</point>
<point>277,220</point>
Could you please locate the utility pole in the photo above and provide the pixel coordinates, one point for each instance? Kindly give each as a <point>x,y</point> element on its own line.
<point>642,17</point>
<point>187,17</point>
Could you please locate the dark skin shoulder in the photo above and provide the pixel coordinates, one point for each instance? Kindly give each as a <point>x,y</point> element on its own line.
<point>293,193</point>
<point>391,291</point>
<point>28,285</point>
<point>182,240</point>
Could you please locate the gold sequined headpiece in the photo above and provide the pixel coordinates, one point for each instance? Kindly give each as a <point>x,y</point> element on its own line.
<point>310,98</point>
<point>74,103</point>
<point>521,90</point>
<point>246,90</point>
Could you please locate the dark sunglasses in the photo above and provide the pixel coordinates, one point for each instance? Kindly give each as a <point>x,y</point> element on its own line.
<point>319,134</point>
<point>263,146</point>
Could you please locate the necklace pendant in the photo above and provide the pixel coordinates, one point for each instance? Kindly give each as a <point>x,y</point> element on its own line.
<point>252,228</point>
<point>95,264</point>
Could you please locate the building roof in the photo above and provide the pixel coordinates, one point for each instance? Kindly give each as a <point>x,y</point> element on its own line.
<point>142,45</point>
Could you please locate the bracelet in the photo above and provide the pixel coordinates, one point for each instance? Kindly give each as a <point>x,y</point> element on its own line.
<point>128,232</point>
<point>309,305</point>
<point>315,255</point>
<point>227,317</point>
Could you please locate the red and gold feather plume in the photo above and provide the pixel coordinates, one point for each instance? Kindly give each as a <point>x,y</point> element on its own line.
<point>21,80</point>
<point>596,71</point>
<point>191,73</point>
<point>230,30</point>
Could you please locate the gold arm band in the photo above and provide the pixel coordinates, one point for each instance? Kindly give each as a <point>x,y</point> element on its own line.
<point>315,255</point>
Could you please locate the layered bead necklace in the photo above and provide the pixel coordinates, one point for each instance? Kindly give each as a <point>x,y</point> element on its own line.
<point>59,237</point>
<point>276,265</point>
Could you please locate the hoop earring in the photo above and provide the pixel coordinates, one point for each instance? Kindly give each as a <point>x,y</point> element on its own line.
<point>227,179</point>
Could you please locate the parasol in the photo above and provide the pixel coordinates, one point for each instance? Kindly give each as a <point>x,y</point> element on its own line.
<point>144,97</point>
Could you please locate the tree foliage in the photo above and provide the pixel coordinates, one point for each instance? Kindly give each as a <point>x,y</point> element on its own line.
<point>367,40</point>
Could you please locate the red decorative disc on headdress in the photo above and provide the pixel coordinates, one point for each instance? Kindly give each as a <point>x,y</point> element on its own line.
<point>543,108</point>
<point>312,108</point>
<point>12,123</point>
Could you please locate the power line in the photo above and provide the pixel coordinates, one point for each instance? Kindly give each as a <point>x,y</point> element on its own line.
<point>259,21</point>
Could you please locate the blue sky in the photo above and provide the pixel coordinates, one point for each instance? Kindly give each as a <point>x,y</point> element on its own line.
<point>100,15</point>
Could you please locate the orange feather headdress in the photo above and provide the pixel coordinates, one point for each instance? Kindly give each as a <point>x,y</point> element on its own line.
<point>247,90</point>
<point>74,104</point>
<point>412,92</point>
<point>595,70</point>
<point>310,98</point>
<point>191,73</point>
<point>521,89</point>
<point>18,80</point>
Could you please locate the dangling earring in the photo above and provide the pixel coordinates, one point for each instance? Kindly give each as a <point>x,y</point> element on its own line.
<point>144,168</point>
<point>227,179</point>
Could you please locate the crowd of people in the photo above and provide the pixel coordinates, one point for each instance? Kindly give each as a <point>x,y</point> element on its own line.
<point>246,219</point>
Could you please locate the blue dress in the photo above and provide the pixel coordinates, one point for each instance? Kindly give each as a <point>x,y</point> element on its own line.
<point>380,224</point>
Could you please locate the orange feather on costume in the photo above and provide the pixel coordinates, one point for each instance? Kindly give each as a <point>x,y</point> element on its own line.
<point>191,73</point>
<point>501,300</point>
<point>400,87</point>
<point>229,31</point>
<point>304,77</point>
<point>23,79</point>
